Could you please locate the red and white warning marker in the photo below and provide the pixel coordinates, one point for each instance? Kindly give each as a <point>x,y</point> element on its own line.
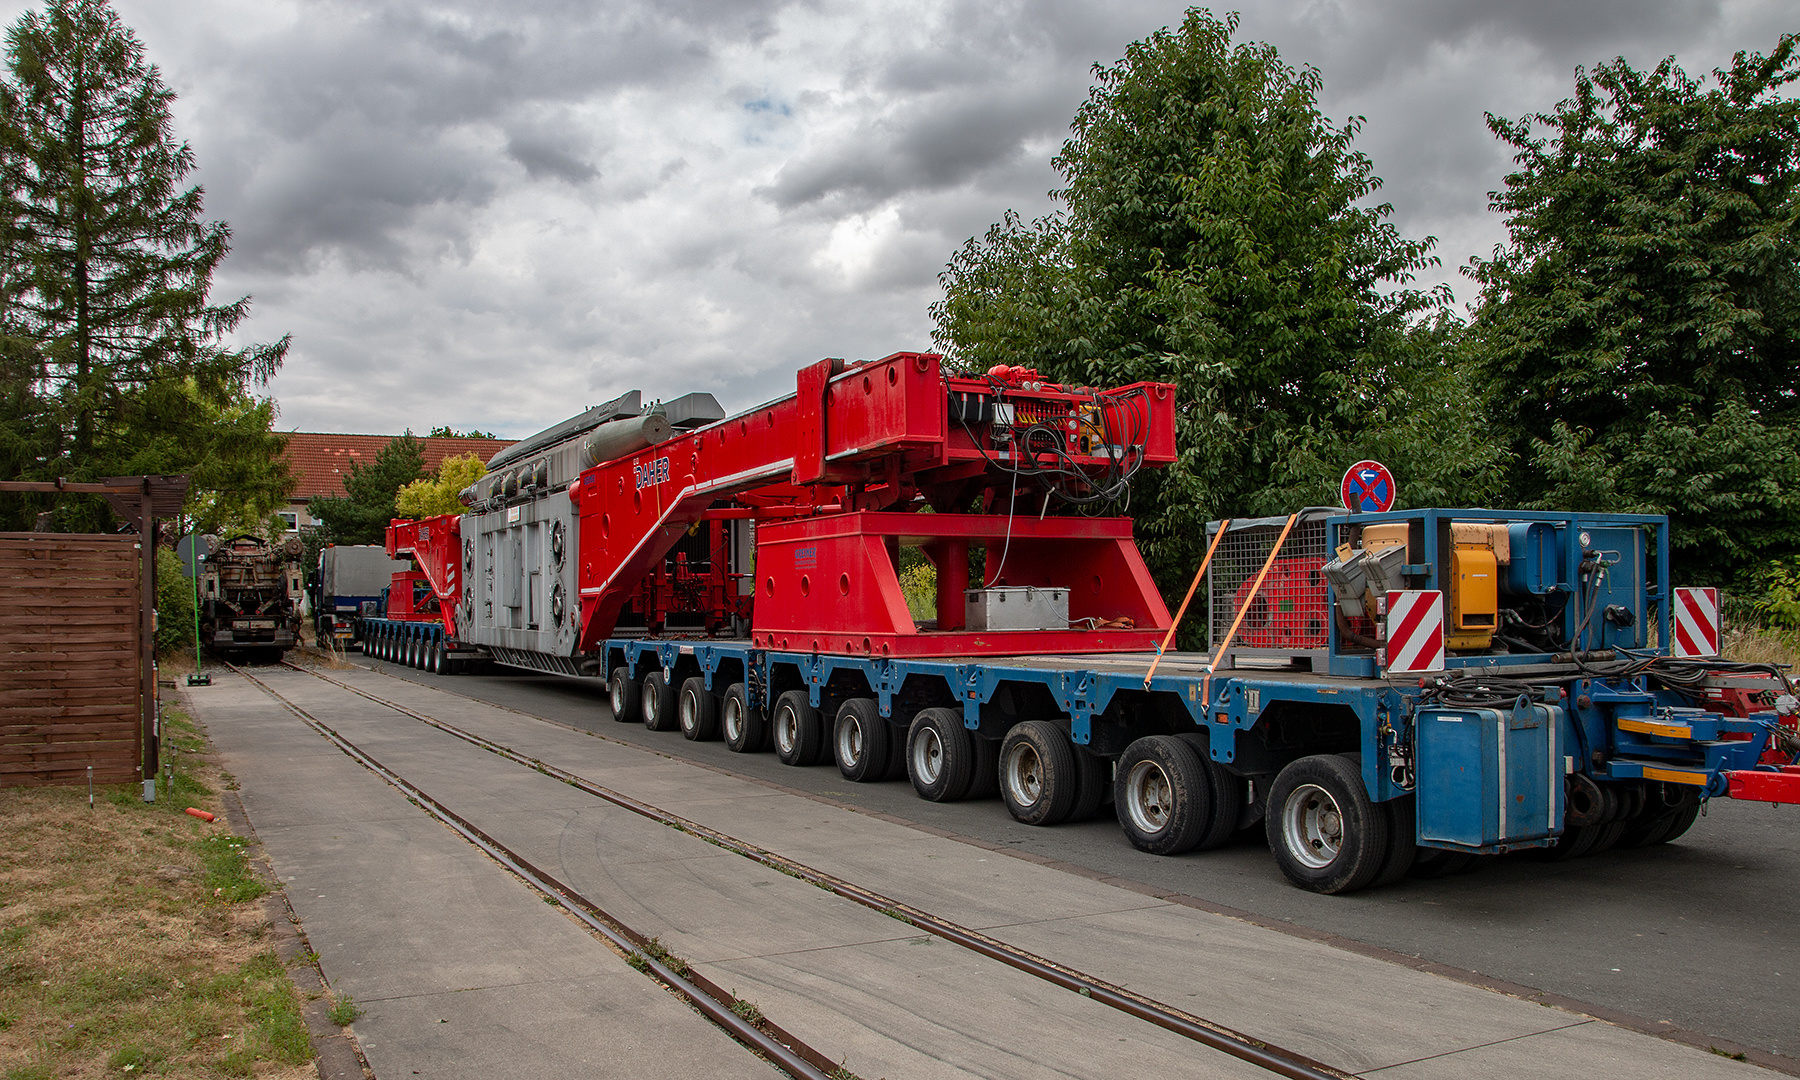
<point>1696,621</point>
<point>1415,631</point>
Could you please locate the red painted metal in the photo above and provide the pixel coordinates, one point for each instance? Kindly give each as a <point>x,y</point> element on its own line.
<point>831,584</point>
<point>1756,785</point>
<point>1291,611</point>
<point>894,434</point>
<point>430,593</point>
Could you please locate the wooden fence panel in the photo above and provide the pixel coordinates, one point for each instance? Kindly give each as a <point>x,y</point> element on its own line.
<point>70,650</point>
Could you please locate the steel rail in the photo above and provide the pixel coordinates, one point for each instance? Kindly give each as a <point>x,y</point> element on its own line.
<point>595,918</point>
<point>1254,1051</point>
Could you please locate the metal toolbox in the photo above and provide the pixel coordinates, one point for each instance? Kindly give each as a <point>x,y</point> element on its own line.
<point>1016,608</point>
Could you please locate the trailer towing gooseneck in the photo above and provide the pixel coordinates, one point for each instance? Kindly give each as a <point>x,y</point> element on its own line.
<point>1389,692</point>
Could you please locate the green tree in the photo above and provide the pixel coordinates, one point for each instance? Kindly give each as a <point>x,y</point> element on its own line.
<point>1641,329</point>
<point>444,431</point>
<point>110,263</point>
<point>361,516</point>
<point>1215,234</point>
<point>439,494</point>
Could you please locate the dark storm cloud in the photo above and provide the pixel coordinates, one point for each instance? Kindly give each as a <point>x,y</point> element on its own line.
<point>365,116</point>
<point>487,215</point>
<point>940,142</point>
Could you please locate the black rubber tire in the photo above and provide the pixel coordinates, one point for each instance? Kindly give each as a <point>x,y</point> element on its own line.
<point>697,711</point>
<point>940,755</point>
<point>416,657</point>
<point>437,657</point>
<point>1227,790</point>
<point>1606,837</point>
<point>745,730</point>
<point>797,730</point>
<point>1310,798</point>
<point>1163,795</point>
<point>1093,789</point>
<point>1039,779</point>
<point>1402,838</point>
<point>1680,823</point>
<point>896,767</point>
<point>1436,863</point>
<point>861,741</point>
<point>984,782</point>
<point>624,696</point>
<point>1575,841</point>
<point>657,709</point>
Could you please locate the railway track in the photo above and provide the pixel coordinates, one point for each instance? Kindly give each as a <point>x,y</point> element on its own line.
<point>767,1038</point>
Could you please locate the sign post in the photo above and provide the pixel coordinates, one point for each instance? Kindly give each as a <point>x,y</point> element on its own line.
<point>1368,488</point>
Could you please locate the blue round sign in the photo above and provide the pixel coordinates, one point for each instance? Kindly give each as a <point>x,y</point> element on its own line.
<point>1368,488</point>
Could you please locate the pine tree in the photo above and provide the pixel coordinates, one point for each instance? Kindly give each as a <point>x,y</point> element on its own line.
<point>111,259</point>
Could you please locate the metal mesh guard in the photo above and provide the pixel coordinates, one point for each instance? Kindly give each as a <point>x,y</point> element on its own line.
<point>1291,609</point>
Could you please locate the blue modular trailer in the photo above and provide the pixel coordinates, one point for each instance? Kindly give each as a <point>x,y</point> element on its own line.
<point>1558,719</point>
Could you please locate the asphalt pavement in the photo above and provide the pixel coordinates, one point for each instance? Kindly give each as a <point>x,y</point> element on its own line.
<point>463,972</point>
<point>1694,933</point>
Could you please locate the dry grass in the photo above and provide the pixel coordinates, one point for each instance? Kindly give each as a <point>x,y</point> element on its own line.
<point>128,940</point>
<point>1753,644</point>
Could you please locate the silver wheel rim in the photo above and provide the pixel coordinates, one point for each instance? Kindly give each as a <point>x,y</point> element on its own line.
<point>617,697</point>
<point>652,696</point>
<point>927,756</point>
<point>733,720</point>
<point>850,742</point>
<point>687,710</point>
<point>1024,774</point>
<point>1312,826</point>
<point>787,729</point>
<point>1149,797</point>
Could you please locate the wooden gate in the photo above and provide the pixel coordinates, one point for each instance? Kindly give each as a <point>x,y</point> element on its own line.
<point>71,650</point>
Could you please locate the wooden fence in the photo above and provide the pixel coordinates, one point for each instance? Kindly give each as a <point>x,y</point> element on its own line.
<point>71,653</point>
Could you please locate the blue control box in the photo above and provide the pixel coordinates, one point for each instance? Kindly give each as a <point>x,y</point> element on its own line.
<point>1489,779</point>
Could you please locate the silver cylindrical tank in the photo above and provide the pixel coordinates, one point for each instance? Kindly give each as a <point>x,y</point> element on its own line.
<point>621,437</point>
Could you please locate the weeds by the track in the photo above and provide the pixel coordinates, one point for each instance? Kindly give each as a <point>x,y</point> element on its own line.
<point>130,946</point>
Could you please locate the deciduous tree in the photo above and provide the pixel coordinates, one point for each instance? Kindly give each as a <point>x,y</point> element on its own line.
<point>1216,233</point>
<point>1640,331</point>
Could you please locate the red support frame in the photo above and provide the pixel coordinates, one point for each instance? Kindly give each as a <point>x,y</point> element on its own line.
<point>886,435</point>
<point>432,592</point>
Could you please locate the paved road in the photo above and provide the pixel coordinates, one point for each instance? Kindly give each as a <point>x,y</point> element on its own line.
<point>1699,932</point>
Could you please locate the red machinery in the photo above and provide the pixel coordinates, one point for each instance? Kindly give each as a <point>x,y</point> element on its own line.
<point>429,593</point>
<point>836,477</point>
<point>866,458</point>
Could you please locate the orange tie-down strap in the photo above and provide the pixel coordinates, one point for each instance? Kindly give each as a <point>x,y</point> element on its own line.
<point>1212,665</point>
<point>1175,623</point>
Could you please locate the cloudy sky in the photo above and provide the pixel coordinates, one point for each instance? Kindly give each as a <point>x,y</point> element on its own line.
<point>491,215</point>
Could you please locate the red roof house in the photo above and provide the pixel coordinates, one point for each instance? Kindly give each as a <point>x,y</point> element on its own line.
<point>320,461</point>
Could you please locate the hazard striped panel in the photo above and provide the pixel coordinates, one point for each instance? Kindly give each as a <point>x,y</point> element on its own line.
<point>1696,629</point>
<point>1415,631</point>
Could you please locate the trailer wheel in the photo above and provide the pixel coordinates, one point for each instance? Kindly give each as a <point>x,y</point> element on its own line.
<point>658,705</point>
<point>386,649</point>
<point>1094,784</point>
<point>798,731</point>
<point>861,741</point>
<point>698,711</point>
<point>1326,834</point>
<point>435,662</point>
<point>1163,795</point>
<point>940,755</point>
<point>1680,823</point>
<point>1039,780</point>
<point>745,729</point>
<point>623,696</point>
<point>1403,841</point>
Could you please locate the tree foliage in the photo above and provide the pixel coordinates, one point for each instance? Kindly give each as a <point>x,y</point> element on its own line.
<point>113,357</point>
<point>361,515</point>
<point>1216,234</point>
<point>440,494</point>
<point>1640,333</point>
